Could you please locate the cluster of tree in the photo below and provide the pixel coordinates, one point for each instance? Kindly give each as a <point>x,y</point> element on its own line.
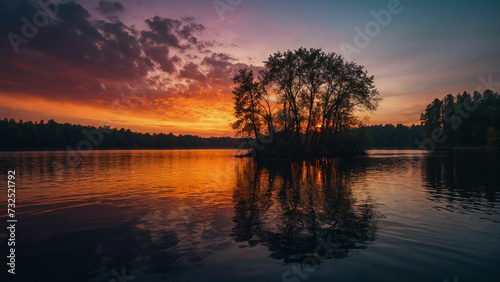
<point>463,120</point>
<point>53,135</point>
<point>301,102</point>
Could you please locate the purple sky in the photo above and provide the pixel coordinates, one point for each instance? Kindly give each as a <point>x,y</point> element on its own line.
<point>167,65</point>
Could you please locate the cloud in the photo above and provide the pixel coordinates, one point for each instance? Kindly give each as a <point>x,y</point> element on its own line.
<point>159,54</point>
<point>101,49</point>
<point>108,7</point>
<point>162,31</point>
<point>222,68</point>
<point>82,50</point>
<point>187,30</point>
<point>191,71</point>
<point>77,59</point>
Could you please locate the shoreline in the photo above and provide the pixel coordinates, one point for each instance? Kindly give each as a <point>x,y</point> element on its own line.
<point>458,149</point>
<point>115,149</point>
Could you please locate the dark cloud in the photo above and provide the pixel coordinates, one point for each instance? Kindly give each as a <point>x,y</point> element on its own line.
<point>159,54</point>
<point>218,60</point>
<point>76,58</point>
<point>170,32</point>
<point>167,33</point>
<point>222,68</point>
<point>191,71</point>
<point>187,19</point>
<point>108,7</point>
<point>79,49</point>
<point>162,31</point>
<point>187,30</point>
<point>204,45</point>
<point>102,49</point>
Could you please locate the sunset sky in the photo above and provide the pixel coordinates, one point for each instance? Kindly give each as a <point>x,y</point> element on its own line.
<point>167,66</point>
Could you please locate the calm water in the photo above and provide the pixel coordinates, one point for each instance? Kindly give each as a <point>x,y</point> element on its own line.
<point>203,215</point>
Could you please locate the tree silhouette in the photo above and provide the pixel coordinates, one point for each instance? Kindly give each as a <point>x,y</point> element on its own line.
<point>464,120</point>
<point>305,97</point>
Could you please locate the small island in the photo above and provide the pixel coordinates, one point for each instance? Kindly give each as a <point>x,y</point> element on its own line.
<point>300,104</point>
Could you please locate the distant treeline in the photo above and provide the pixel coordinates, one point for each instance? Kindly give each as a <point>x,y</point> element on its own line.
<point>464,120</point>
<point>53,135</point>
<point>377,136</point>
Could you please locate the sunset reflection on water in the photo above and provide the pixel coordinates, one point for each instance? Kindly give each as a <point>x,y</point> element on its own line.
<point>192,215</point>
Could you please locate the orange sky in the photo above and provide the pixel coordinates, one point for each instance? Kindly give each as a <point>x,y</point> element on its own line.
<point>168,67</point>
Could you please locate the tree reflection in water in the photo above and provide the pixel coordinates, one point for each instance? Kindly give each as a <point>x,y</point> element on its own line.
<point>464,181</point>
<point>301,209</point>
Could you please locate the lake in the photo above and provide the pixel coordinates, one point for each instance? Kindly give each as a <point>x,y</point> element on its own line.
<point>204,215</point>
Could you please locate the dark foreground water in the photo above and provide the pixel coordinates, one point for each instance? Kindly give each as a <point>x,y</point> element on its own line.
<point>203,215</point>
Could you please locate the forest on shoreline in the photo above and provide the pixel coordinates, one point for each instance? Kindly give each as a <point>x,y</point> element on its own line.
<point>302,104</point>
<point>51,135</point>
<point>305,104</point>
<point>475,131</point>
